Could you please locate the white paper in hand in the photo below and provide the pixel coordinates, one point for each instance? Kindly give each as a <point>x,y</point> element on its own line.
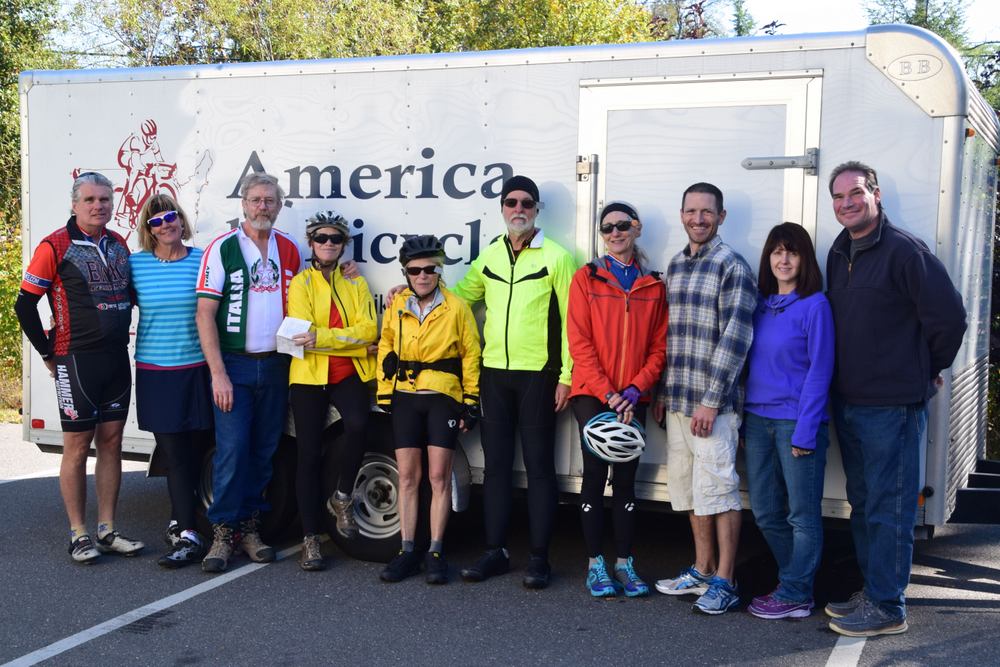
<point>292,326</point>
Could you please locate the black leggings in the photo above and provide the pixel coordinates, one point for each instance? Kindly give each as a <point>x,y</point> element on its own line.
<point>522,400</point>
<point>184,452</point>
<point>595,477</point>
<point>309,407</point>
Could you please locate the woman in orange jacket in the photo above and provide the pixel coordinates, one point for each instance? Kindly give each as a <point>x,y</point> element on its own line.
<point>617,328</point>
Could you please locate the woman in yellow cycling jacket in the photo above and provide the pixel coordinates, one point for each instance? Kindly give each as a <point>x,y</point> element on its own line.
<point>428,361</point>
<point>336,364</point>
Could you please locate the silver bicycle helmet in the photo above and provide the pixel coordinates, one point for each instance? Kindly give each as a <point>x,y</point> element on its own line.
<point>611,440</point>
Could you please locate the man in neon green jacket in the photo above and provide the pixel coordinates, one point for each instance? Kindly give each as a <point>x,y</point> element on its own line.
<point>523,278</point>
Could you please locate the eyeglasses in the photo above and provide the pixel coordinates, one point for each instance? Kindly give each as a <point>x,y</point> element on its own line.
<point>257,201</point>
<point>622,226</point>
<point>417,270</point>
<point>526,204</point>
<point>321,239</point>
<point>169,216</point>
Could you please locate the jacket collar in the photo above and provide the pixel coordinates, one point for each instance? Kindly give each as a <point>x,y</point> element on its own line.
<point>842,243</point>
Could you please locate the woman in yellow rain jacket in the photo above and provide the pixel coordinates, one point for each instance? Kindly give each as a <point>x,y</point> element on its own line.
<point>428,360</point>
<point>334,369</point>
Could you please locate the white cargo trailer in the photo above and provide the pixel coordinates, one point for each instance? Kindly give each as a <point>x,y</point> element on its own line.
<point>421,144</point>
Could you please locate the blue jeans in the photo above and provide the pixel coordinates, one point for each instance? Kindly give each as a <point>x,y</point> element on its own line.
<point>247,436</point>
<point>787,493</point>
<point>881,451</point>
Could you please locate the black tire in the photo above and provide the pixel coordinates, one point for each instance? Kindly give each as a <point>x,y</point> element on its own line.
<point>375,497</point>
<point>281,520</point>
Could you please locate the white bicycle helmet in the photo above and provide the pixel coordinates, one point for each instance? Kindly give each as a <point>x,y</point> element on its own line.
<point>611,440</point>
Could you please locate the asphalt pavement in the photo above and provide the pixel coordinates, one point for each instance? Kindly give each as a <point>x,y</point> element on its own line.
<point>131,611</point>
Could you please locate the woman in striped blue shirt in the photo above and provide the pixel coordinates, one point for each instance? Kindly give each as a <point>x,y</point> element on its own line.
<point>172,389</point>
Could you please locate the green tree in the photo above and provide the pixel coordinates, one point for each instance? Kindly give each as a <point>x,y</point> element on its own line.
<point>743,23</point>
<point>944,17</point>
<point>25,26</point>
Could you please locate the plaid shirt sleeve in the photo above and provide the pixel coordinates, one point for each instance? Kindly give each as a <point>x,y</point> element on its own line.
<point>737,300</point>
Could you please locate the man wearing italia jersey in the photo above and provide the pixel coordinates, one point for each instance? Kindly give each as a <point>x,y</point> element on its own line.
<point>242,299</point>
<point>523,278</point>
<point>83,270</point>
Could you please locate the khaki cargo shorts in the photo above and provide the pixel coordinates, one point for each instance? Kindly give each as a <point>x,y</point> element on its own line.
<point>701,472</point>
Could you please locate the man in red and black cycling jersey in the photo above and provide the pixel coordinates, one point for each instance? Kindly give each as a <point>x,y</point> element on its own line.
<point>83,270</point>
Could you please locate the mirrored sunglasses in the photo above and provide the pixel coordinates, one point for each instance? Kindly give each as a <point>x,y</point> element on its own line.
<point>169,216</point>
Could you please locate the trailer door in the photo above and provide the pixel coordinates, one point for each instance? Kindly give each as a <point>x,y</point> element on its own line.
<point>651,138</point>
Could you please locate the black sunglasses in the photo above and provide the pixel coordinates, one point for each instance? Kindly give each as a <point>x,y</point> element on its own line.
<point>417,270</point>
<point>336,239</point>
<point>526,204</point>
<point>169,216</point>
<point>622,226</point>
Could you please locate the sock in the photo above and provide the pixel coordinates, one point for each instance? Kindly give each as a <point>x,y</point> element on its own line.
<point>76,532</point>
<point>437,545</point>
<point>105,527</point>
<point>407,545</point>
<point>591,562</point>
<point>621,562</point>
<point>340,495</point>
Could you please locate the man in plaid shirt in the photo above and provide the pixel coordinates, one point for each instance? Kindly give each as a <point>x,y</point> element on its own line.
<point>712,296</point>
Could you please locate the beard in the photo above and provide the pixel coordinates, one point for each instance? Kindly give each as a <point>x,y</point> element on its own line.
<point>262,223</point>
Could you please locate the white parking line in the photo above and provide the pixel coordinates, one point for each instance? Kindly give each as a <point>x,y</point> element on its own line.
<point>129,617</point>
<point>846,652</point>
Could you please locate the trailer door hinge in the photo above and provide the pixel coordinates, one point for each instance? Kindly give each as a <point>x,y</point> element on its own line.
<point>809,162</point>
<point>585,167</point>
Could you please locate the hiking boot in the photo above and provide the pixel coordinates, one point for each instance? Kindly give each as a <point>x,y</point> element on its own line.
<point>189,548</point>
<point>405,564</point>
<point>343,511</point>
<point>770,606</point>
<point>689,582</point>
<point>436,568</point>
<point>629,581</point>
<point>869,620</point>
<point>173,533</point>
<point>492,563</point>
<point>250,540</point>
<point>848,606</point>
<point>720,597</point>
<point>311,558</point>
<point>221,550</point>
<point>83,551</point>
<point>115,542</point>
<point>538,573</point>
<point>598,582</point>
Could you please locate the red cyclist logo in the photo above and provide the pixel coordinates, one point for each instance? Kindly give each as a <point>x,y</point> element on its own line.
<point>146,173</point>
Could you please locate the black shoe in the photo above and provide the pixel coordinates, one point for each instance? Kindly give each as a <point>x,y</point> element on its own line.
<point>538,573</point>
<point>189,549</point>
<point>436,567</point>
<point>405,564</point>
<point>173,534</point>
<point>490,564</point>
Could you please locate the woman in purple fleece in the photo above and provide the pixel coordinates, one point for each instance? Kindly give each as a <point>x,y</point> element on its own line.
<point>790,368</point>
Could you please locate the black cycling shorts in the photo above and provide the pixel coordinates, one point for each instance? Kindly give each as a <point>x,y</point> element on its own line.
<point>419,420</point>
<point>92,387</point>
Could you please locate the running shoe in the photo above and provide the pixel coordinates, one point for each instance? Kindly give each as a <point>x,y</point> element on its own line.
<point>598,582</point>
<point>83,551</point>
<point>771,606</point>
<point>869,620</point>
<point>629,581</point>
<point>720,597</point>
<point>848,606</point>
<point>189,549</point>
<point>405,564</point>
<point>689,582</point>
<point>436,568</point>
<point>115,542</point>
